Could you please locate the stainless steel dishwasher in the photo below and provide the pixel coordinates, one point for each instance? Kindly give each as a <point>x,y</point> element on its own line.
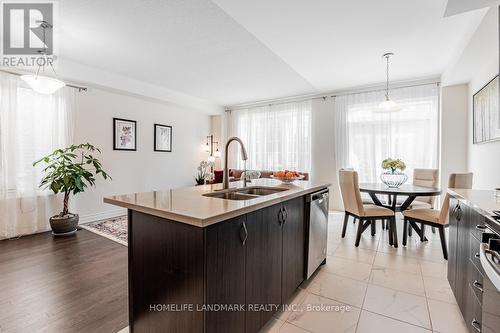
<point>317,218</point>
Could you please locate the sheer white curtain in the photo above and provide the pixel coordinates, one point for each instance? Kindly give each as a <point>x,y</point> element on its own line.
<point>365,137</point>
<point>276,136</point>
<point>31,126</point>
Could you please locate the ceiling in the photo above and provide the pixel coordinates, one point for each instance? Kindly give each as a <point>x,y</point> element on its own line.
<point>235,51</point>
<point>454,7</point>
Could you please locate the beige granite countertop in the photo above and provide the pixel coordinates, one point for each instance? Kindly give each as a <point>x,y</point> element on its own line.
<point>188,205</point>
<point>484,201</point>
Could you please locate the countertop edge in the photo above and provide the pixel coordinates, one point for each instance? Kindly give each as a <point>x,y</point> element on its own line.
<point>204,222</point>
<point>475,206</point>
<point>468,202</point>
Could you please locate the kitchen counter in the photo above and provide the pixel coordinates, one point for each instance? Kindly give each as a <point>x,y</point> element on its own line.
<point>471,223</point>
<point>188,205</point>
<point>483,201</point>
<point>194,252</point>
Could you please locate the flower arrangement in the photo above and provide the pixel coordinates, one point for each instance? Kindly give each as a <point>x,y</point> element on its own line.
<point>203,172</point>
<point>393,164</point>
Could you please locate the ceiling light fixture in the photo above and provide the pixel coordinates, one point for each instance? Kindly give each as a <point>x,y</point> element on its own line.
<point>39,83</point>
<point>388,105</point>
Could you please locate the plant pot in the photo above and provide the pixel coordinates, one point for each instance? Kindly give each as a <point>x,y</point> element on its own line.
<point>393,179</point>
<point>64,225</point>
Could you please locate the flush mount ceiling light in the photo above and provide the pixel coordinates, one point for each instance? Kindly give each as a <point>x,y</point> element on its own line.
<point>388,105</point>
<point>40,83</point>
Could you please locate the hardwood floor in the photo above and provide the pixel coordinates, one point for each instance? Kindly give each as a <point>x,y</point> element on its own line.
<point>72,284</point>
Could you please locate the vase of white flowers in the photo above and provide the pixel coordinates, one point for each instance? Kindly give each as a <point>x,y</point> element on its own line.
<point>393,176</point>
<point>203,172</point>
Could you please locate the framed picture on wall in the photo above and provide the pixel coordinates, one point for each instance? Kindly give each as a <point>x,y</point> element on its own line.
<point>486,113</point>
<point>163,138</point>
<point>124,134</point>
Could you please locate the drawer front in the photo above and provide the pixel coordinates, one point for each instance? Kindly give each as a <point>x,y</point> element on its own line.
<point>477,224</point>
<point>474,245</point>
<point>475,282</point>
<point>475,317</point>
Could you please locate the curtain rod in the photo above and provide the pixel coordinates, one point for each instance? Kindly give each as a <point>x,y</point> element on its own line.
<point>80,88</point>
<point>325,96</point>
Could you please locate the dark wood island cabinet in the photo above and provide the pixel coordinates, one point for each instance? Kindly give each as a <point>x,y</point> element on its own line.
<point>229,276</point>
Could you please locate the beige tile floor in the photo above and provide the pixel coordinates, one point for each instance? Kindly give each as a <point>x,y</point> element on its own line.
<point>373,288</point>
<point>387,289</point>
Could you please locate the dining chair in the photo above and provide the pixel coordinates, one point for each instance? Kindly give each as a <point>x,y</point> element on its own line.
<point>366,200</point>
<point>426,178</point>
<point>367,214</point>
<point>433,217</point>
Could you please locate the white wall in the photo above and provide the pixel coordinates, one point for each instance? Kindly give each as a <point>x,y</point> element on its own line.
<point>323,166</point>
<point>454,110</point>
<point>144,169</point>
<point>483,159</point>
<point>477,65</point>
<point>216,131</point>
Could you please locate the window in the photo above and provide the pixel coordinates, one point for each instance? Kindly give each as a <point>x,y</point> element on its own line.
<point>276,137</point>
<point>411,134</point>
<point>32,125</point>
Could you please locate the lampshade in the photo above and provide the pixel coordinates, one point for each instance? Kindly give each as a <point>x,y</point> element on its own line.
<point>217,153</point>
<point>388,106</point>
<point>211,159</point>
<point>43,84</point>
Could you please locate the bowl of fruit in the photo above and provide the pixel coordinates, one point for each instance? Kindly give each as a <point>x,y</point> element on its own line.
<point>287,176</point>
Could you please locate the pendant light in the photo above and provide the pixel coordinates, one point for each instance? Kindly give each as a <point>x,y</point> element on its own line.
<point>43,84</point>
<point>388,105</point>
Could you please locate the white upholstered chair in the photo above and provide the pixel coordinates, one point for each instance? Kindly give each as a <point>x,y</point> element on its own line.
<point>433,217</point>
<point>366,214</point>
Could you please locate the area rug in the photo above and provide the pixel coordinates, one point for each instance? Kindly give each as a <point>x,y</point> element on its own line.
<point>114,228</point>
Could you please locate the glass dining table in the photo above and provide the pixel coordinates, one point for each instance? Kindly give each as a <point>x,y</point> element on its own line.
<point>407,191</point>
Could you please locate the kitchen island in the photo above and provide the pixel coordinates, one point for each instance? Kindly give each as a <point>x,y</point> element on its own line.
<point>206,260</point>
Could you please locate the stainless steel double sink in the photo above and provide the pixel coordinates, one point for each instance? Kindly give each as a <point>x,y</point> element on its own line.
<point>245,193</point>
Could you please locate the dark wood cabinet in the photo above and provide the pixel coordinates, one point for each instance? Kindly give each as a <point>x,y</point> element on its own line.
<point>256,260</point>
<point>165,259</point>
<point>293,246</point>
<point>243,264</point>
<point>263,265</point>
<point>452,243</point>
<point>465,273</point>
<point>458,248</point>
<point>225,274</point>
<point>461,279</point>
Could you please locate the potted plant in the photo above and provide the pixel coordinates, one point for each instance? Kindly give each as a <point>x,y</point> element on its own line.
<point>393,176</point>
<point>70,170</point>
<point>203,172</point>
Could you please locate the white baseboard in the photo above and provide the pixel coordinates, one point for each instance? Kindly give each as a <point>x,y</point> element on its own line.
<point>102,216</point>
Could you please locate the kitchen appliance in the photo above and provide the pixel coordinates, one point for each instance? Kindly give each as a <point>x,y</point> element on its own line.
<point>489,256</point>
<point>317,217</point>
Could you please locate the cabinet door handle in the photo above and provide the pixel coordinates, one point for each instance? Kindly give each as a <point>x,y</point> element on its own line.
<point>245,233</point>
<point>476,325</point>
<point>455,209</point>
<point>480,227</point>
<point>459,213</point>
<point>286,215</point>
<point>477,255</point>
<point>478,285</point>
<point>280,216</point>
